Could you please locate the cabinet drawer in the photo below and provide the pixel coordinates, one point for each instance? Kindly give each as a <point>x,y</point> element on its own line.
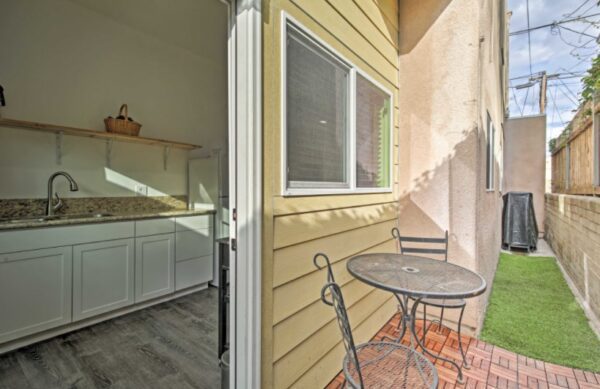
<point>193,272</point>
<point>39,238</point>
<point>35,291</point>
<point>154,227</point>
<point>193,244</point>
<point>193,222</point>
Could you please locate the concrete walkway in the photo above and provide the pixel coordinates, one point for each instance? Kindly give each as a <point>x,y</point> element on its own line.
<point>543,250</point>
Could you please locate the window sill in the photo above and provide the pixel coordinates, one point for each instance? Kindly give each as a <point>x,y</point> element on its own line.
<point>332,192</point>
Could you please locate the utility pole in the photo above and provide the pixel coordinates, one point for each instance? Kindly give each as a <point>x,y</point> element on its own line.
<point>543,85</point>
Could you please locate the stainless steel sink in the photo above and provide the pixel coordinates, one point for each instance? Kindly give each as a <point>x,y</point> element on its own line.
<point>33,219</point>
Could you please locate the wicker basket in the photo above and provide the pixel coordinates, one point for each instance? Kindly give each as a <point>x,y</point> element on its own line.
<point>122,124</point>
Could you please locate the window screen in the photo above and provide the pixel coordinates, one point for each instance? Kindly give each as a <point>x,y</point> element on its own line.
<point>372,135</point>
<point>317,111</point>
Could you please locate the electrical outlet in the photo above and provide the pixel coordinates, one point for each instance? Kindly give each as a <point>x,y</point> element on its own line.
<point>141,190</point>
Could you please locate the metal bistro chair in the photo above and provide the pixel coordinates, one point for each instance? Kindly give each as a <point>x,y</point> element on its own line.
<point>438,246</point>
<point>375,364</point>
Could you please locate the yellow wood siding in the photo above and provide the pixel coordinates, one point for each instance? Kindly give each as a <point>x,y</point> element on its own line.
<point>301,343</point>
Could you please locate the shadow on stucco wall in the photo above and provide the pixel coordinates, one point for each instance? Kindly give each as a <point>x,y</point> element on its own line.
<point>424,14</point>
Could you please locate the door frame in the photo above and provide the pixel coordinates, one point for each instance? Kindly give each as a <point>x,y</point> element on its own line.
<point>245,187</point>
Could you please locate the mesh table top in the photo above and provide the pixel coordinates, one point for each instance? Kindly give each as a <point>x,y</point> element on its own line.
<point>416,276</point>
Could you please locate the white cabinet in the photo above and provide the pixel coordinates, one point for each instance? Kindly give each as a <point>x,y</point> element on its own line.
<point>194,271</point>
<point>154,226</point>
<point>53,276</point>
<point>35,291</point>
<point>154,266</point>
<point>194,222</point>
<point>194,242</point>
<point>103,277</point>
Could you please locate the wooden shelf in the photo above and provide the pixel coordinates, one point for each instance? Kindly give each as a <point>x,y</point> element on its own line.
<point>93,134</point>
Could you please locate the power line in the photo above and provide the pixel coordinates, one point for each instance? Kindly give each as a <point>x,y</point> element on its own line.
<point>563,76</point>
<point>555,107</point>
<point>569,89</point>
<point>555,23</point>
<point>515,98</point>
<point>579,32</point>
<point>591,7</point>
<point>525,101</point>
<point>567,95</point>
<point>576,9</point>
<point>565,83</point>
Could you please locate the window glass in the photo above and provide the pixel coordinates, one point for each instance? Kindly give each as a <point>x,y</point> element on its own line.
<point>317,125</point>
<point>372,135</point>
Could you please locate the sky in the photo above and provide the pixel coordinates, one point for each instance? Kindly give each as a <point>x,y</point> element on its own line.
<point>553,51</point>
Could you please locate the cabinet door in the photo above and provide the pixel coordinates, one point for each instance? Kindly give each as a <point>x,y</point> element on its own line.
<point>35,291</point>
<point>103,276</point>
<point>154,266</point>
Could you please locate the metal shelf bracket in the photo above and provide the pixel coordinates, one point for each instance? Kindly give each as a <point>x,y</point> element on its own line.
<point>109,144</point>
<point>166,151</point>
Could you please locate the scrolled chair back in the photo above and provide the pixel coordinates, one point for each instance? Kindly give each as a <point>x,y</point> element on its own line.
<point>336,300</point>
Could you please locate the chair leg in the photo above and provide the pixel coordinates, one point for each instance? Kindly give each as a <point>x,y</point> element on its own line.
<point>401,317</point>
<point>424,323</point>
<point>460,345</point>
<point>402,325</point>
<point>441,321</point>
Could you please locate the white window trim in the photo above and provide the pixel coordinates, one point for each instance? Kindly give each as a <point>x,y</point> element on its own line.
<point>353,71</point>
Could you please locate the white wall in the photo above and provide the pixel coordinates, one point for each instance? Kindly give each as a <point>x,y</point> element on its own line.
<point>74,63</point>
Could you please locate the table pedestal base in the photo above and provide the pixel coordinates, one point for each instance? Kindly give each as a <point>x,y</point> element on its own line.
<point>407,321</point>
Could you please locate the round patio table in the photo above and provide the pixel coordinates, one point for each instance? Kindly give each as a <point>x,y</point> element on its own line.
<point>417,278</point>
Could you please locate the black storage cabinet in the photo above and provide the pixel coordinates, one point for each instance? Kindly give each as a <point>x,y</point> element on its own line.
<point>519,227</point>
<point>223,342</point>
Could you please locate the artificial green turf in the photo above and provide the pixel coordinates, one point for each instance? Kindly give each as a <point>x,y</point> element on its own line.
<point>533,312</point>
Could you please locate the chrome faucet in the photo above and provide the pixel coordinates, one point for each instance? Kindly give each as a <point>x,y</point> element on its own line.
<point>50,208</point>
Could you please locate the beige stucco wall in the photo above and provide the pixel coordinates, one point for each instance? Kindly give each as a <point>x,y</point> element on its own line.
<point>525,160</point>
<point>573,232</point>
<point>493,76</point>
<point>450,77</point>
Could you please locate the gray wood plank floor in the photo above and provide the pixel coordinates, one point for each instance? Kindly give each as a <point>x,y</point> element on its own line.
<point>171,345</point>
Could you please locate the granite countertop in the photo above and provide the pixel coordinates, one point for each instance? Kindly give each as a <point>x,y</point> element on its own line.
<point>25,222</point>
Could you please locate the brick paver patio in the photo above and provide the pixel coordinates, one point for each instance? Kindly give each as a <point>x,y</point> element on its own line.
<point>491,366</point>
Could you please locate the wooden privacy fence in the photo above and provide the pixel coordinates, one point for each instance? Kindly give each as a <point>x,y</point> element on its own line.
<point>575,160</point>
